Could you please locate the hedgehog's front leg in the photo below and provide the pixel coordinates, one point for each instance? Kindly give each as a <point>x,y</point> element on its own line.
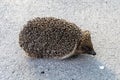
<point>70,54</point>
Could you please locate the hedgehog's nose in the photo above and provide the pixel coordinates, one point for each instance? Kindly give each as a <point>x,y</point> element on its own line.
<point>92,53</point>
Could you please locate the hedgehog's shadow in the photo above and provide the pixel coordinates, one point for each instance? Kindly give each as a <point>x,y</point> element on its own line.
<point>84,67</point>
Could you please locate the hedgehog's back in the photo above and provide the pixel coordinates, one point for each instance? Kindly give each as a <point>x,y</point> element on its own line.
<point>49,37</point>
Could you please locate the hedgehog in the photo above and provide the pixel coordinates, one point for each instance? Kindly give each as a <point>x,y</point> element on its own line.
<point>50,37</point>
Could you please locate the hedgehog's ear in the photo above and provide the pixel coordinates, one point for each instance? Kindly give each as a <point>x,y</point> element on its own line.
<point>86,34</point>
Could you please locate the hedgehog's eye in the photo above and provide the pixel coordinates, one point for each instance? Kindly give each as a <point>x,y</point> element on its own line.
<point>86,48</point>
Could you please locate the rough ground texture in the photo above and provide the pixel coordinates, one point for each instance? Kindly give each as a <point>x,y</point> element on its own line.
<point>101,17</point>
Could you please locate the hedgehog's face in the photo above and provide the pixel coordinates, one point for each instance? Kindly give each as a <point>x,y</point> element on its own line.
<point>86,43</point>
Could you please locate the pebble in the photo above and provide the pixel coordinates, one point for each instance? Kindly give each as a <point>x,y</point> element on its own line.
<point>42,72</point>
<point>101,67</point>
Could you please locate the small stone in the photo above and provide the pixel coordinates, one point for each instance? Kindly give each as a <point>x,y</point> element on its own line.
<point>101,67</point>
<point>42,72</point>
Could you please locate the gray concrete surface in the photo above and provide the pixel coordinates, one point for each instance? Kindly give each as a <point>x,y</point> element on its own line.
<point>101,17</point>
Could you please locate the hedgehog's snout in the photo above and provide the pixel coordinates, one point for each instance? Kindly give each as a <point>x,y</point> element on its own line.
<point>92,52</point>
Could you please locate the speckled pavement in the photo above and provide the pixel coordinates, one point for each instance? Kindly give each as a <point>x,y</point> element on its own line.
<point>101,17</point>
